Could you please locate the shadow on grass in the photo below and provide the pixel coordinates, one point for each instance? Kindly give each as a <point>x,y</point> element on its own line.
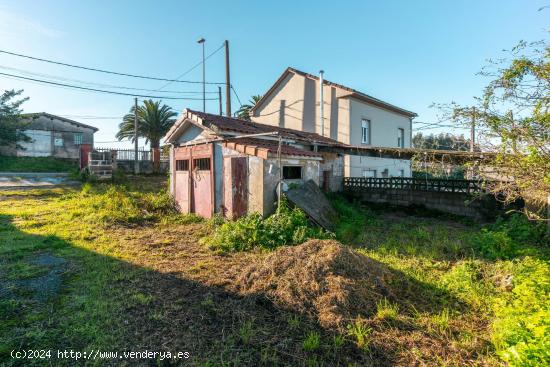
<point>58,296</point>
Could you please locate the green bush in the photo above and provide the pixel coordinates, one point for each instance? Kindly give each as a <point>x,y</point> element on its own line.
<point>288,226</point>
<point>521,330</point>
<point>510,237</point>
<point>352,219</point>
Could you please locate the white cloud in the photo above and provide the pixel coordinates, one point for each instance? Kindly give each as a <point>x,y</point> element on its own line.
<point>13,25</point>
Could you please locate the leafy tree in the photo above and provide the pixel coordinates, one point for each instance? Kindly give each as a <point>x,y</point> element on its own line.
<point>154,121</point>
<point>513,114</point>
<point>11,126</point>
<point>244,112</point>
<point>441,142</point>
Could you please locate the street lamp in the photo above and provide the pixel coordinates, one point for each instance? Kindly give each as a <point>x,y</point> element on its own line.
<point>202,41</point>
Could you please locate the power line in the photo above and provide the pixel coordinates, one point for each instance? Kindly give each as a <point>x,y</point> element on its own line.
<point>236,95</point>
<point>101,90</point>
<point>193,68</point>
<point>103,70</point>
<point>55,77</point>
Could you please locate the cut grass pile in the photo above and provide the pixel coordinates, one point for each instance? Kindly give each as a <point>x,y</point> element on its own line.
<point>321,278</point>
<point>36,164</point>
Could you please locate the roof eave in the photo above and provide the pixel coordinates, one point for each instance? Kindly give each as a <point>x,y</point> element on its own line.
<point>49,115</point>
<point>380,103</point>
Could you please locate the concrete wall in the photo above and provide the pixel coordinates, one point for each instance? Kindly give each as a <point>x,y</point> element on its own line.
<point>334,163</point>
<point>144,166</point>
<point>483,208</point>
<point>54,137</point>
<point>310,171</point>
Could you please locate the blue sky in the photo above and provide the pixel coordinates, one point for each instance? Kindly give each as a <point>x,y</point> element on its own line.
<point>409,53</point>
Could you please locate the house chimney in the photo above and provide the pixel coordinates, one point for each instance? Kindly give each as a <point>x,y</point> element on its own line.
<point>321,102</point>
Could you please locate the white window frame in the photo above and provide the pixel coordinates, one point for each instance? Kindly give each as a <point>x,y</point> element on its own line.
<point>366,131</point>
<point>400,137</point>
<point>77,138</point>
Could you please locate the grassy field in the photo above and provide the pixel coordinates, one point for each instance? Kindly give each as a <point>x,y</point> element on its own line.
<point>115,268</point>
<point>36,164</point>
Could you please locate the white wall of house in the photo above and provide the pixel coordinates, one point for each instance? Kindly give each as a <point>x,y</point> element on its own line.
<point>384,126</point>
<point>40,146</point>
<point>357,166</point>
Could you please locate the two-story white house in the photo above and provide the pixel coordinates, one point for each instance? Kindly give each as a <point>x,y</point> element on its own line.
<point>349,116</point>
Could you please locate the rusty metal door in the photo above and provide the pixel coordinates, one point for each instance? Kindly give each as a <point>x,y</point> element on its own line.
<point>202,187</point>
<point>235,183</point>
<point>239,174</point>
<point>181,166</point>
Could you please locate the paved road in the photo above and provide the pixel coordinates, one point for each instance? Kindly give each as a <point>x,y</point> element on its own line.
<point>16,180</point>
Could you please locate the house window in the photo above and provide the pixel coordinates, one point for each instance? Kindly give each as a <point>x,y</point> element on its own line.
<point>365,131</point>
<point>401,173</point>
<point>401,138</point>
<point>369,173</point>
<point>77,138</point>
<point>201,164</point>
<point>386,173</point>
<point>292,172</point>
<point>58,141</point>
<point>182,165</point>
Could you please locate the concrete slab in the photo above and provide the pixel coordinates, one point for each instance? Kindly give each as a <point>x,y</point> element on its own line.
<point>314,203</point>
<point>17,180</point>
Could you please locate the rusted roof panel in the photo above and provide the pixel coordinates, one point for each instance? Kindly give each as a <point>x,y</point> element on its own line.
<point>264,148</point>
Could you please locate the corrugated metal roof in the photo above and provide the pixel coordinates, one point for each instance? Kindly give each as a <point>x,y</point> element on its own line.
<point>266,148</point>
<point>249,127</point>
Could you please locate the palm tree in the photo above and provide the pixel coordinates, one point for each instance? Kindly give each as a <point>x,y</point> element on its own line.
<point>244,112</point>
<point>154,121</point>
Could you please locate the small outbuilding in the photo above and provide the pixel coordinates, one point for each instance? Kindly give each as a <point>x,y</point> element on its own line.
<point>231,166</point>
<point>53,136</point>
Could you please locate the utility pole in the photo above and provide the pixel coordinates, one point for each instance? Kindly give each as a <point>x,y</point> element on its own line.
<point>279,162</point>
<point>202,41</point>
<point>227,82</point>
<point>322,102</point>
<point>473,130</point>
<point>136,162</point>
<point>220,99</point>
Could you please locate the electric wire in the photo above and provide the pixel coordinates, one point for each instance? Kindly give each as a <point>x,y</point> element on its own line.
<point>104,70</point>
<point>102,90</point>
<point>102,85</point>
<point>193,68</point>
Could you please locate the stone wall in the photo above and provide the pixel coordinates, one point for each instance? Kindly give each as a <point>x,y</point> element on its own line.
<point>484,207</point>
<point>144,166</point>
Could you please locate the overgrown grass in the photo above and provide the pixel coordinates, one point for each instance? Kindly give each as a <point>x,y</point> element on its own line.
<point>499,270</point>
<point>129,283</point>
<point>288,226</point>
<point>36,164</point>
